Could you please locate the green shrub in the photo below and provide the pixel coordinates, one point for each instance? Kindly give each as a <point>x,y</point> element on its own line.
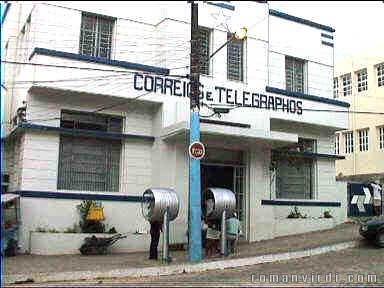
<point>296,214</point>
<point>41,229</point>
<point>327,214</point>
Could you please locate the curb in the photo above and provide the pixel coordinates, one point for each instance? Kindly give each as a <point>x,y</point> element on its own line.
<point>175,269</point>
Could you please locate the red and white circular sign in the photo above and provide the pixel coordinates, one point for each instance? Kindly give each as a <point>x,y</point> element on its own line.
<point>197,150</point>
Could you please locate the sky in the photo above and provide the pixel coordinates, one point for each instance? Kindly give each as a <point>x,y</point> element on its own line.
<point>358,24</point>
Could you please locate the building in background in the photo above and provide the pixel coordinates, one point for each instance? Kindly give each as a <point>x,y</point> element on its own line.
<point>359,81</point>
<point>97,107</point>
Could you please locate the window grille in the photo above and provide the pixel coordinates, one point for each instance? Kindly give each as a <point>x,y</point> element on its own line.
<point>235,59</point>
<point>294,74</point>
<point>96,35</point>
<point>88,163</point>
<point>204,35</point>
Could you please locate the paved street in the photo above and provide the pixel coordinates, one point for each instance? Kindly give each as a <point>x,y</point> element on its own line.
<point>29,264</point>
<point>359,262</point>
<point>363,265</point>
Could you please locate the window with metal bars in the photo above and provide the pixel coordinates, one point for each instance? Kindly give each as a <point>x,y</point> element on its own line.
<point>96,35</point>
<point>348,142</point>
<point>363,140</point>
<point>380,74</point>
<point>295,173</point>
<point>88,163</point>
<point>294,74</point>
<point>335,88</point>
<point>204,35</point>
<point>362,80</point>
<point>235,58</point>
<point>347,84</point>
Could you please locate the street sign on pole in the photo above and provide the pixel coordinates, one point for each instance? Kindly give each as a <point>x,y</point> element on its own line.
<point>197,150</point>
<point>194,224</point>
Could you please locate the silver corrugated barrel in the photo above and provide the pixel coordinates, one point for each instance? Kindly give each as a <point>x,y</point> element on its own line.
<point>156,201</point>
<point>161,204</point>
<point>220,202</point>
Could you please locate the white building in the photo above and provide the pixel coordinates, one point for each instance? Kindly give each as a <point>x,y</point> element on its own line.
<point>127,85</point>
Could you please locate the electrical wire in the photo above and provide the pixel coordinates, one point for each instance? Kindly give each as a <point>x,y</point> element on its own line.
<point>82,68</point>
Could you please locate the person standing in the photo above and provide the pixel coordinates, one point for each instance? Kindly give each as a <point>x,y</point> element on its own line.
<point>156,228</point>
<point>233,231</point>
<point>376,198</point>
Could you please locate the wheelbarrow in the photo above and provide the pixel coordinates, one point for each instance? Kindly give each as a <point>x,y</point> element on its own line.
<point>96,246</point>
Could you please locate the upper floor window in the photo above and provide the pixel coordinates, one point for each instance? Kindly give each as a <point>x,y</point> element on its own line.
<point>347,84</point>
<point>362,80</point>
<point>335,88</point>
<point>205,36</point>
<point>381,138</point>
<point>337,144</point>
<point>96,35</point>
<point>380,74</point>
<point>363,140</point>
<point>235,59</point>
<point>348,142</point>
<point>294,74</point>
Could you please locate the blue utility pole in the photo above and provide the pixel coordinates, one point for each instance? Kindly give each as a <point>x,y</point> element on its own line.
<point>195,245</point>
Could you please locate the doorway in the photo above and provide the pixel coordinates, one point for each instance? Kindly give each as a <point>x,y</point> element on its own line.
<point>227,176</point>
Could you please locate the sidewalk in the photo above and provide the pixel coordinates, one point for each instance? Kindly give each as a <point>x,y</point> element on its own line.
<point>38,267</point>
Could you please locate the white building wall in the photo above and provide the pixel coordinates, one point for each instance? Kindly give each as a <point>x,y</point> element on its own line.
<point>165,41</point>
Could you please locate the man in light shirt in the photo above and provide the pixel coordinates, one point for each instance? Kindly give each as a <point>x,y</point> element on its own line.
<point>376,198</point>
<point>233,232</point>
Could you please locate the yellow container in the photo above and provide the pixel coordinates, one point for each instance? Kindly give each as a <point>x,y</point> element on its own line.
<point>95,213</point>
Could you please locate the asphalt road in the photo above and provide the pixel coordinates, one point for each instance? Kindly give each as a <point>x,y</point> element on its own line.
<point>358,266</point>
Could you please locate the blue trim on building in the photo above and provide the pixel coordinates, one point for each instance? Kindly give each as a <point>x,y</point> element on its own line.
<point>222,5</point>
<point>98,60</point>
<point>307,96</point>
<point>327,43</point>
<point>5,12</point>
<point>224,123</point>
<point>300,203</point>
<point>326,36</point>
<point>112,135</point>
<point>300,20</point>
<point>78,196</point>
<point>311,155</point>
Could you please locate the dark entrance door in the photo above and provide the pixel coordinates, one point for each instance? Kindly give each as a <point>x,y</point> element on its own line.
<point>216,176</point>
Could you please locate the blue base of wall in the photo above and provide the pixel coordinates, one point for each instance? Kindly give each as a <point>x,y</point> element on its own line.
<point>299,203</point>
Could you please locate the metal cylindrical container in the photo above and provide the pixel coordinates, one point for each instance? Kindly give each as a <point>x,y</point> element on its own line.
<point>156,201</point>
<point>217,200</point>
